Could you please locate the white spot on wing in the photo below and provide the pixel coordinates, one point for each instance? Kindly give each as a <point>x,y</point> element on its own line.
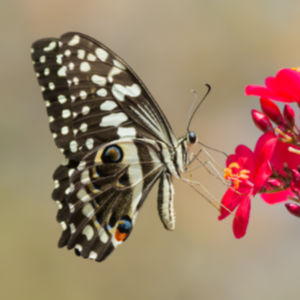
<point>51,86</point>
<point>118,64</point>
<point>75,80</point>
<point>93,255</point>
<point>66,113</point>
<point>61,99</point>
<point>80,53</point>
<point>62,71</point>
<point>63,225</point>
<point>120,91</point>
<point>85,110</point>
<point>85,178</point>
<point>91,57</point>
<point>83,94</point>
<point>83,127</point>
<point>88,232</point>
<point>126,132</point>
<point>81,165</point>
<point>88,211</point>
<point>46,71</point>
<point>85,66</point>
<point>73,146</point>
<point>78,247</point>
<point>59,205</point>
<point>113,119</point>
<point>113,71</point>
<point>42,59</point>
<point>99,80</point>
<point>50,47</point>
<point>59,59</point>
<point>83,195</point>
<point>74,41</point>
<point>102,92</point>
<point>72,228</point>
<point>89,143</point>
<point>101,54</point>
<point>108,105</point>
<point>67,52</point>
<point>71,207</point>
<point>103,236</point>
<point>56,184</point>
<point>71,66</point>
<point>64,130</point>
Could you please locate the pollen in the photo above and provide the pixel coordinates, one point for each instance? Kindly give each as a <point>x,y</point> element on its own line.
<point>235,174</point>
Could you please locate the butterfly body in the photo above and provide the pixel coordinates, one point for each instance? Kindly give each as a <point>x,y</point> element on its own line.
<point>116,140</point>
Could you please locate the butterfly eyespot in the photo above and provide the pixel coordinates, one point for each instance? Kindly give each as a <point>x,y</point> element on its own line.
<point>192,137</point>
<point>112,154</point>
<point>123,229</point>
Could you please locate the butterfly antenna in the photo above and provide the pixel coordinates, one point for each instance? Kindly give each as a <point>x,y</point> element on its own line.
<point>194,109</point>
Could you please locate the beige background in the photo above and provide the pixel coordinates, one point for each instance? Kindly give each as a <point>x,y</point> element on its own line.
<point>174,46</point>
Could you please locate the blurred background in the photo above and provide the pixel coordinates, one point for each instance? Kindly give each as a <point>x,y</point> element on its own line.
<point>174,46</point>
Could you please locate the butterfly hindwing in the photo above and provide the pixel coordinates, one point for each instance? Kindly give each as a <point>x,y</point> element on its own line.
<point>99,200</point>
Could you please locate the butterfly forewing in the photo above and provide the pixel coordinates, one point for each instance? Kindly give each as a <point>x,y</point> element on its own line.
<point>113,134</point>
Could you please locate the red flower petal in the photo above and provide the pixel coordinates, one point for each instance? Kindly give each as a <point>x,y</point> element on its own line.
<point>241,219</point>
<point>278,197</point>
<point>285,87</point>
<point>243,156</point>
<point>230,200</point>
<point>262,154</point>
<point>285,84</point>
<point>283,157</point>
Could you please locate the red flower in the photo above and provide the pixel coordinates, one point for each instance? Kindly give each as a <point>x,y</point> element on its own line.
<point>285,87</point>
<point>285,161</point>
<point>247,171</point>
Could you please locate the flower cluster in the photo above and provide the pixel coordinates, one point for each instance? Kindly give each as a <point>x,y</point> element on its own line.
<point>272,170</point>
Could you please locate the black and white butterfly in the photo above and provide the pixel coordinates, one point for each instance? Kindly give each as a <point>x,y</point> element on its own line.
<point>116,140</point>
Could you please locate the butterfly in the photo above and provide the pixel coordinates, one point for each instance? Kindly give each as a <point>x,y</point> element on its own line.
<point>116,140</point>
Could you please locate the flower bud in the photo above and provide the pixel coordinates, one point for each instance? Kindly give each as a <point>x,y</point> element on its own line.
<point>261,121</point>
<point>293,208</point>
<point>272,111</point>
<point>289,115</point>
<point>275,183</point>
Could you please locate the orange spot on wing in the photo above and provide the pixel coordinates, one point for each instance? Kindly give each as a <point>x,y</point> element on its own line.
<point>120,236</point>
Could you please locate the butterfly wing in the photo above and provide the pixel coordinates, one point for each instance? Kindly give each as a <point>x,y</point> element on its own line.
<point>100,199</point>
<point>93,96</point>
<point>96,102</point>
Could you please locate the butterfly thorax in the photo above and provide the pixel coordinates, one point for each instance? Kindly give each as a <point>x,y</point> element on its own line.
<point>180,157</point>
<point>176,158</point>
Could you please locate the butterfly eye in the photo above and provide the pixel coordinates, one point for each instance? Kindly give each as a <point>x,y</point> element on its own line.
<point>192,137</point>
<point>112,154</point>
<point>123,229</point>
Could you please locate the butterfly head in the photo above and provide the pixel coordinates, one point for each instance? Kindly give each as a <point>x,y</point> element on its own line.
<point>191,137</point>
